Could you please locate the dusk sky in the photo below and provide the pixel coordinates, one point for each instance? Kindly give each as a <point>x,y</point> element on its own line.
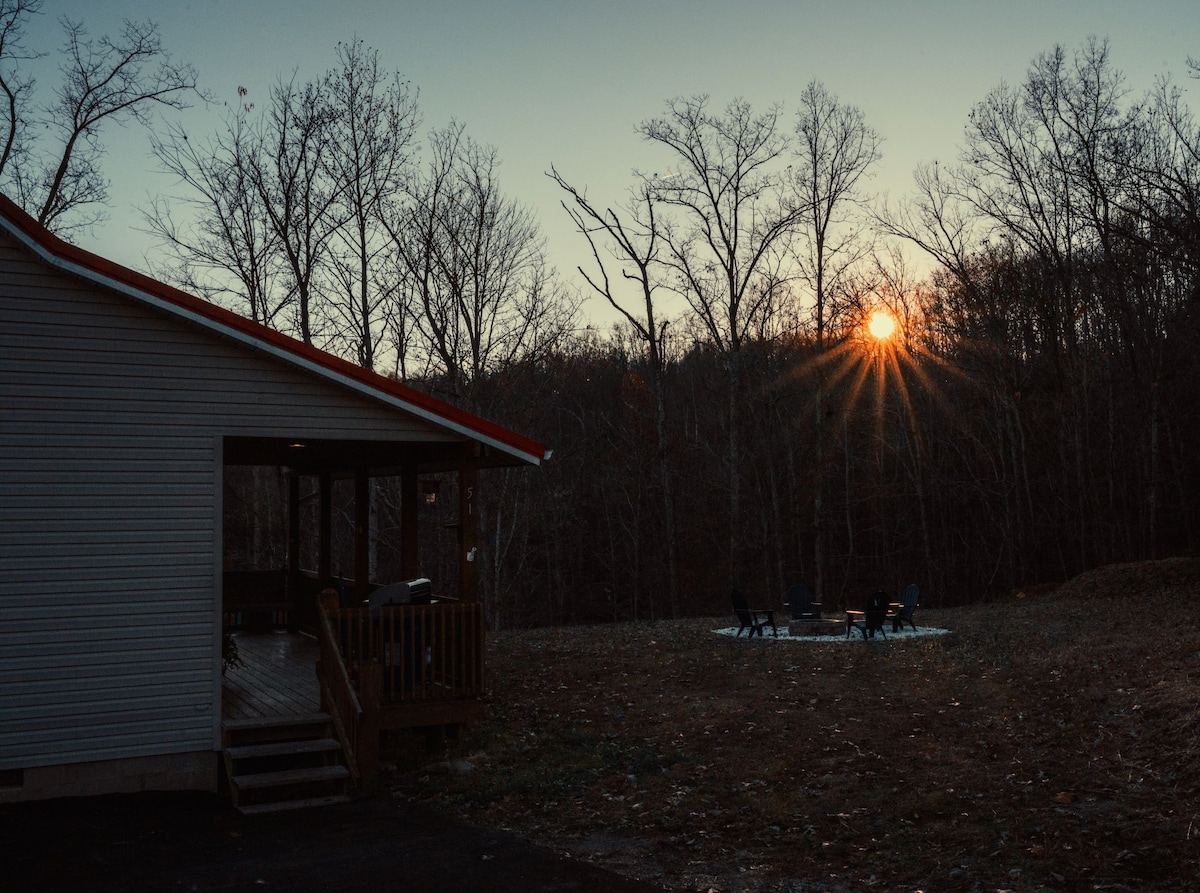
<point>565,83</point>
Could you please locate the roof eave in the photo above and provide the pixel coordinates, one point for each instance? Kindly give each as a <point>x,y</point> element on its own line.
<point>83,264</point>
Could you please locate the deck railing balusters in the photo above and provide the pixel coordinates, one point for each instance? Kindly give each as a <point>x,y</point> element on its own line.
<point>398,667</point>
<point>427,652</point>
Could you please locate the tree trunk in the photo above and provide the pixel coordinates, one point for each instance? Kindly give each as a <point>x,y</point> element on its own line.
<point>735,507</point>
<point>664,476</point>
<point>819,491</point>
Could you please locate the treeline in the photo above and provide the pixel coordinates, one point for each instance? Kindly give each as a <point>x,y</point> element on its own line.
<point>977,468</point>
<point>1034,417</point>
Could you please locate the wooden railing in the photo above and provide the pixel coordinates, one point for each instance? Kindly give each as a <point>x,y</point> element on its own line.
<point>423,652</point>
<point>337,690</point>
<point>397,667</point>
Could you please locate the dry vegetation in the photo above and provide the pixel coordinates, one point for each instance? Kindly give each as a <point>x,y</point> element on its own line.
<point>1049,743</point>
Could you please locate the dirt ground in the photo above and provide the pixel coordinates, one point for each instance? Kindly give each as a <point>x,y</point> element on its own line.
<point>1050,742</point>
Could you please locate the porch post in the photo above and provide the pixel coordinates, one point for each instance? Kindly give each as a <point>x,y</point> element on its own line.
<point>409,540</point>
<point>362,534</point>
<point>294,585</point>
<point>325,532</point>
<point>468,533</point>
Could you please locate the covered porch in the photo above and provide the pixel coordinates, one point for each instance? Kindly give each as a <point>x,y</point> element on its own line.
<point>307,637</point>
<point>312,533</point>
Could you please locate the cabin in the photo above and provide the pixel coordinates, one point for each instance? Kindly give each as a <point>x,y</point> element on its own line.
<point>124,405</point>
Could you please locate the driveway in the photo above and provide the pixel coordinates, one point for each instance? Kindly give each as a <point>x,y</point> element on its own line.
<point>194,842</point>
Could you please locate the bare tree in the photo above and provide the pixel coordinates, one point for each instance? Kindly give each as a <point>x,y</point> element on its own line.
<point>296,195</point>
<point>261,202</point>
<point>1170,168</point>
<point>373,119</point>
<point>474,260</point>
<point>103,79</point>
<point>632,238</point>
<point>726,229</point>
<point>425,255</point>
<point>228,249</point>
<point>937,220</point>
<point>16,87</point>
<point>1038,166</point>
<point>835,150</point>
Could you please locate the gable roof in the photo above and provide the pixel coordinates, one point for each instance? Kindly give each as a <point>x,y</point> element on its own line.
<point>77,262</point>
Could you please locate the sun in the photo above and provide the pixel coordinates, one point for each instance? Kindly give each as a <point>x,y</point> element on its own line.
<point>881,325</point>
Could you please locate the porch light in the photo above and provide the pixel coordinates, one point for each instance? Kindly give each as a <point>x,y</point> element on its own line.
<point>429,492</point>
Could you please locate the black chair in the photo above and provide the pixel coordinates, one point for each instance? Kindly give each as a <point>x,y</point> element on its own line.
<point>753,619</point>
<point>873,616</point>
<point>909,600</point>
<point>800,603</point>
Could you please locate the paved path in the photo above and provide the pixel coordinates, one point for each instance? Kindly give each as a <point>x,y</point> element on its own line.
<point>192,842</point>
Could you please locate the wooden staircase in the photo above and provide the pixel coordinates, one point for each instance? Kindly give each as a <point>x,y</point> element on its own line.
<point>279,763</point>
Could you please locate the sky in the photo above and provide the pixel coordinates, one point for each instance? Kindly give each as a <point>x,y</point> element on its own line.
<point>565,82</point>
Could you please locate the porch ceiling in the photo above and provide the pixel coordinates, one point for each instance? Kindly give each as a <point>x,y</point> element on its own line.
<point>308,456</point>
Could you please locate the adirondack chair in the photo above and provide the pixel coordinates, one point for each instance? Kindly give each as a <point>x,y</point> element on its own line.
<point>753,619</point>
<point>800,603</point>
<point>872,618</point>
<point>909,599</point>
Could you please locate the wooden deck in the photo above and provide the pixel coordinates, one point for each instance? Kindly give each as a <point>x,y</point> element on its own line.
<point>278,677</point>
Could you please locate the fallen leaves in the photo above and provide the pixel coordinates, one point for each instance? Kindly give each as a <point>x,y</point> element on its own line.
<point>773,766</point>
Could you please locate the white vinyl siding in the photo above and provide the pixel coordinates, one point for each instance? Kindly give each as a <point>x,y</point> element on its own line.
<point>112,416</point>
<point>107,595</point>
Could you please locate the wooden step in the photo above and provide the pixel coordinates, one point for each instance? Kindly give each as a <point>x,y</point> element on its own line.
<point>275,728</point>
<point>268,763</point>
<point>282,748</point>
<point>260,722</point>
<point>289,777</point>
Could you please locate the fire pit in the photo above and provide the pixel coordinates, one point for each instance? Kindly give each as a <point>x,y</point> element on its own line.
<point>817,626</point>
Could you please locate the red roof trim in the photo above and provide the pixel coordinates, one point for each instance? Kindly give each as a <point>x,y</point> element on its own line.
<point>422,404</point>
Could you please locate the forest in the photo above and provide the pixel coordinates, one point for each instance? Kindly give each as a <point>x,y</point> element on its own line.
<point>747,421</point>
